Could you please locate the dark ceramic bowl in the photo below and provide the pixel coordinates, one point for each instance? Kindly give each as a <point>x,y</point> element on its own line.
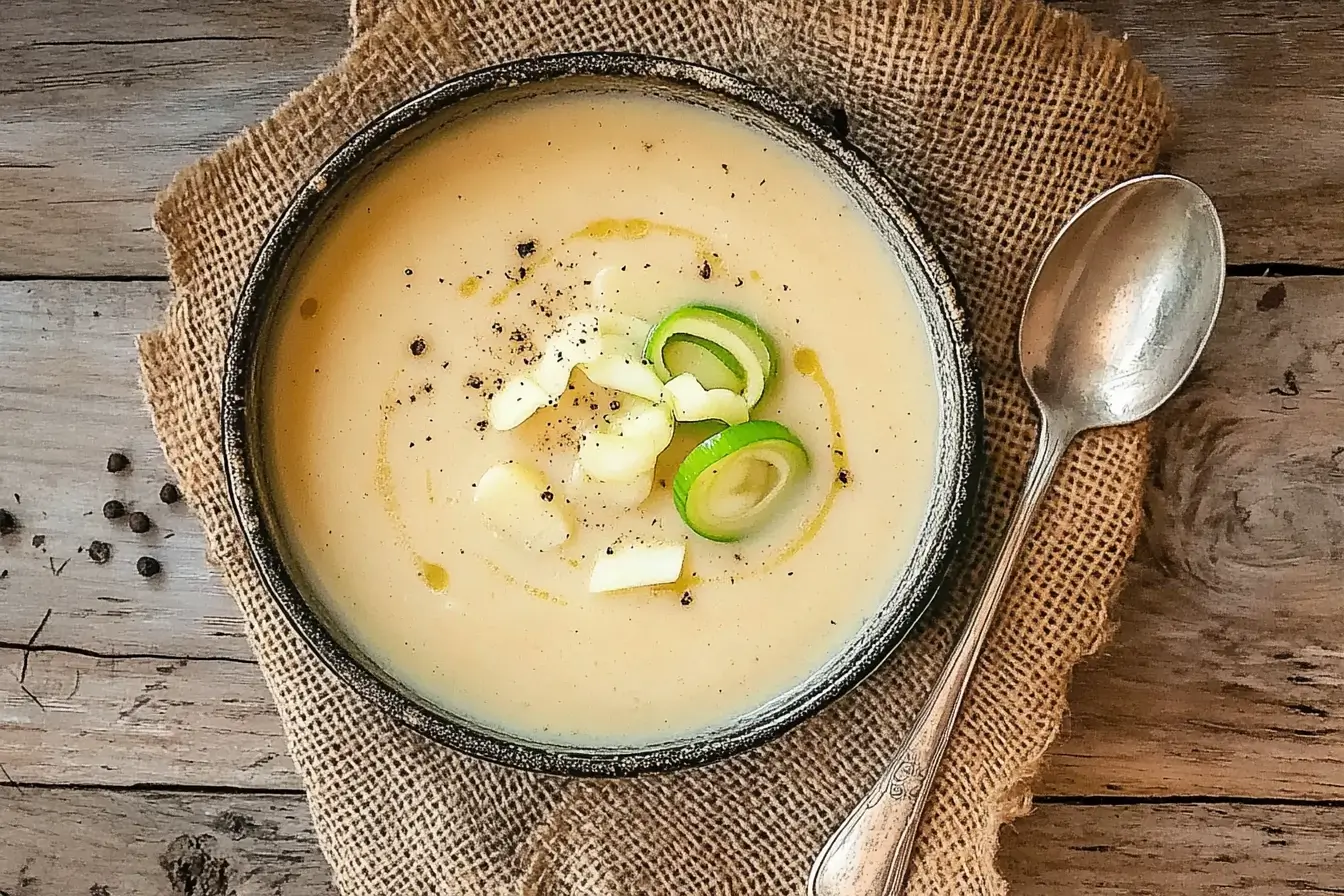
<point>959,424</point>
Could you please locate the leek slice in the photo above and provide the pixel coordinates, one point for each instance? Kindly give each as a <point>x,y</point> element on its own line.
<point>732,483</point>
<point>727,343</point>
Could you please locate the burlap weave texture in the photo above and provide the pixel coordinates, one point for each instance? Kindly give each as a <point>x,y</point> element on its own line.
<point>997,120</point>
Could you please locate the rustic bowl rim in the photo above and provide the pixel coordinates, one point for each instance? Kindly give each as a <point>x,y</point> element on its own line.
<point>958,460</point>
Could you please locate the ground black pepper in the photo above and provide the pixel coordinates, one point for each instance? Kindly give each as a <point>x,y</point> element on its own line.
<point>475,382</point>
<point>843,476</point>
<point>39,540</point>
<point>116,462</point>
<point>148,567</point>
<point>7,522</point>
<point>100,552</point>
<point>705,271</point>
<point>169,494</point>
<point>527,248</point>
<point>686,599</point>
<point>140,523</point>
<point>548,496</point>
<point>114,510</point>
<point>418,346</point>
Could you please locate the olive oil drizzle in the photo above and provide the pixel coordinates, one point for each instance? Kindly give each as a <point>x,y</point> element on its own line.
<point>806,362</point>
<point>604,229</point>
<point>435,576</point>
<point>526,273</point>
<point>530,590</point>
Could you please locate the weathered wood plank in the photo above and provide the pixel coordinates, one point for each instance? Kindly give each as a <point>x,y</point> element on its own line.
<point>108,843</point>
<point>102,102</point>
<point>1224,679</point>
<point>73,719</point>
<point>60,842</point>
<point>1159,850</point>
<point>1258,90</point>
<point>70,395</point>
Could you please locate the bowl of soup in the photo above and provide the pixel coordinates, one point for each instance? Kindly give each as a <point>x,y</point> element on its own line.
<point>600,415</point>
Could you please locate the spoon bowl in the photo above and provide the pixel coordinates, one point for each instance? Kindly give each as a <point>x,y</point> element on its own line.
<point>1122,303</point>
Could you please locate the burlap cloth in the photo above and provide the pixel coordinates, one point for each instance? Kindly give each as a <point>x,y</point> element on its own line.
<point>998,120</point>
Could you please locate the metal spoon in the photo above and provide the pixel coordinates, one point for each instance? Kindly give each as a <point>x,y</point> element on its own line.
<point>1117,315</point>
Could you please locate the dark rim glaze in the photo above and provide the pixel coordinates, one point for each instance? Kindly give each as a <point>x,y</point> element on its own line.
<point>957,462</point>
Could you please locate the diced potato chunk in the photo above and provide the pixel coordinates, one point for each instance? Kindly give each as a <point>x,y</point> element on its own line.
<point>513,499</point>
<point>637,566</point>
<point>616,493</point>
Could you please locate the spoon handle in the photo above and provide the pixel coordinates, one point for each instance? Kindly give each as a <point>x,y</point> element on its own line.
<point>869,855</point>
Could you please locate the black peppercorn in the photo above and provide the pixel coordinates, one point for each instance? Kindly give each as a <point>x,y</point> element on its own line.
<point>114,510</point>
<point>100,552</point>
<point>7,522</point>
<point>147,567</point>
<point>140,523</point>
<point>169,494</point>
<point>116,462</point>
<point>418,347</point>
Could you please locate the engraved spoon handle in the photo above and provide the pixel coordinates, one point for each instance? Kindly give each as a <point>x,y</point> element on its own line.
<point>869,855</point>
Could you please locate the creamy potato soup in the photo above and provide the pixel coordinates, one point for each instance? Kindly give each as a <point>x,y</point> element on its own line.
<point>469,552</point>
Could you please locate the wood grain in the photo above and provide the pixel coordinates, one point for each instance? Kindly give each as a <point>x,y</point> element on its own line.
<point>74,719</point>
<point>57,842</point>
<point>1224,678</point>
<point>1257,86</point>
<point>107,843</point>
<point>103,102</point>
<point>1161,850</point>
<point>70,396</point>
<point>1226,674</point>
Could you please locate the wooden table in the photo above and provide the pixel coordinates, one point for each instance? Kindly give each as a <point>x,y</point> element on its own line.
<point>139,752</point>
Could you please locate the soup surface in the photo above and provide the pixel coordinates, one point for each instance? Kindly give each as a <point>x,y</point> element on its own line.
<point>440,278</point>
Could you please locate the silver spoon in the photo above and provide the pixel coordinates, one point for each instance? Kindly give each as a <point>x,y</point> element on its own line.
<point>1117,315</point>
